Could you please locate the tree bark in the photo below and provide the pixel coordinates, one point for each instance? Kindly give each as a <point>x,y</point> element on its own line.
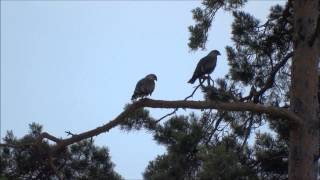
<point>304,139</point>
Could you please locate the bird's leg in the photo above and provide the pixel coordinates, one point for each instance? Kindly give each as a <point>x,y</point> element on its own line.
<point>208,80</point>
<point>201,80</point>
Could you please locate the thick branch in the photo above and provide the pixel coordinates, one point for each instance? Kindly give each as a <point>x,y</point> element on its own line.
<point>13,145</point>
<point>47,136</point>
<point>269,82</point>
<point>234,106</point>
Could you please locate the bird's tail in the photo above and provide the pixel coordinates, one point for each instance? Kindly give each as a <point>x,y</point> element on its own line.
<point>192,80</point>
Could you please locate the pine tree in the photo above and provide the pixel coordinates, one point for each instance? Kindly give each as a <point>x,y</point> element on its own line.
<point>275,60</point>
<point>82,160</point>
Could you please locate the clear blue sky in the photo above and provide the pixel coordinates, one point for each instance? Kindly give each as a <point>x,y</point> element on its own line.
<point>73,65</point>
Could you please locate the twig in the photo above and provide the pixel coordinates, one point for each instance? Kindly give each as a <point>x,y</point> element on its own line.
<point>247,131</point>
<point>169,114</point>
<point>69,133</point>
<point>214,130</point>
<point>176,109</point>
<point>191,95</point>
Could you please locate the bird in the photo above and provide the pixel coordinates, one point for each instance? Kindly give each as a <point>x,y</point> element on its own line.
<point>205,66</point>
<point>144,87</point>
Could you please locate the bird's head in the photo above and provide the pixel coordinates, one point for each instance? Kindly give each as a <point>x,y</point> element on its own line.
<point>152,77</point>
<point>214,53</point>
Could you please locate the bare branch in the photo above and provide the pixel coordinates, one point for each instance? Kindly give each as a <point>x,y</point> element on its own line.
<point>167,115</point>
<point>176,109</point>
<point>195,89</point>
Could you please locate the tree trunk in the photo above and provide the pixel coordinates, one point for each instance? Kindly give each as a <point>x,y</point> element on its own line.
<point>304,139</point>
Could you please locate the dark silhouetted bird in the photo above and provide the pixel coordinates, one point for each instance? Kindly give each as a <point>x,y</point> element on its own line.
<point>144,87</point>
<point>205,66</point>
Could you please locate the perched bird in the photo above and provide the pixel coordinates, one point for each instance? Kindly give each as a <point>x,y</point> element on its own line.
<point>144,87</point>
<point>205,66</point>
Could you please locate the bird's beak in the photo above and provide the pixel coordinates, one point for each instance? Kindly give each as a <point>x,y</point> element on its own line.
<point>218,53</point>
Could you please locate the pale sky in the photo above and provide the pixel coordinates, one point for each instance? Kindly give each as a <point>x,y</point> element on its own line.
<point>73,65</point>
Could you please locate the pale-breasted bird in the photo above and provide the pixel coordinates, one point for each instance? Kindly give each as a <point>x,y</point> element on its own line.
<point>205,66</point>
<point>144,86</point>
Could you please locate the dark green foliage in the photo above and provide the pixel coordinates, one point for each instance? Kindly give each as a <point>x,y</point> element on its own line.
<point>272,155</point>
<point>137,120</point>
<point>216,145</point>
<point>281,127</point>
<point>258,48</point>
<point>213,146</point>
<point>26,160</point>
<point>259,69</point>
<point>225,161</point>
<point>159,169</point>
<point>203,18</point>
<point>181,135</point>
<point>89,162</point>
<point>190,156</point>
<point>240,69</point>
<point>220,91</point>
